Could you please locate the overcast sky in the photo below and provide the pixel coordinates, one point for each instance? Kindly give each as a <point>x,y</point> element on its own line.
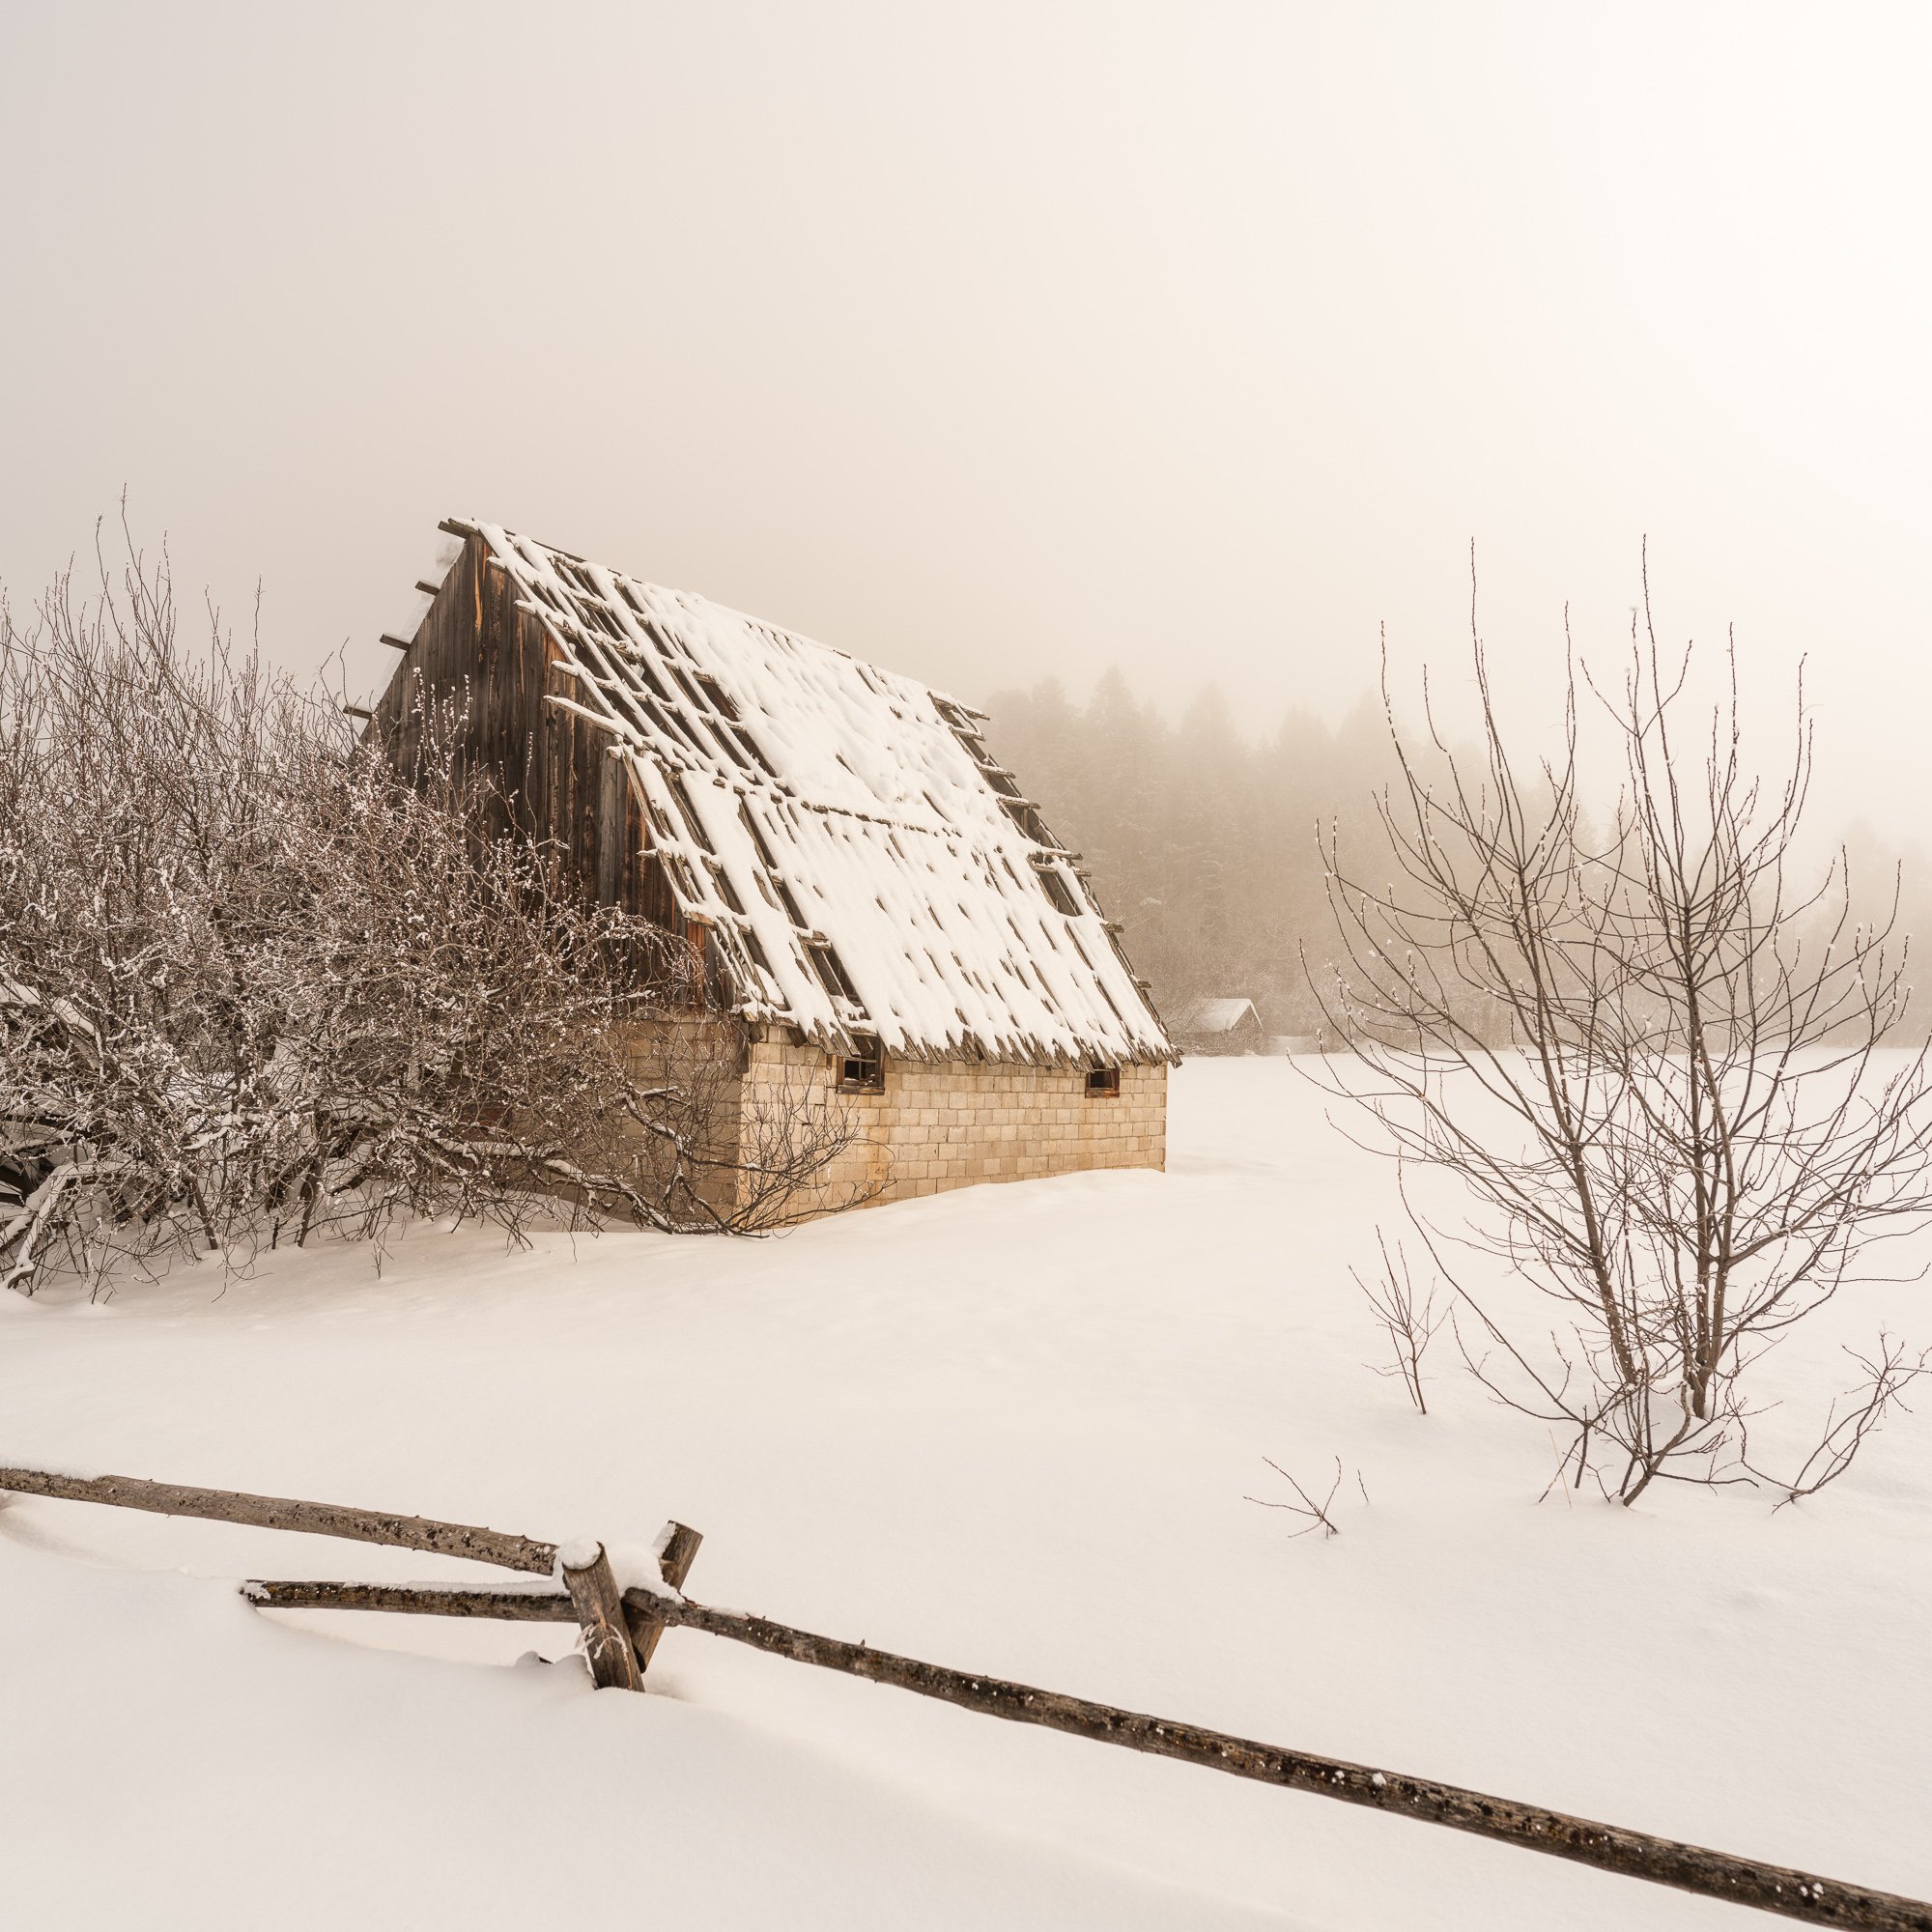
<point>994,341</point>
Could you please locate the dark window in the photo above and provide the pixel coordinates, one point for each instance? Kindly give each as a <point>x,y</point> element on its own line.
<point>1103,1083</point>
<point>862,1071</point>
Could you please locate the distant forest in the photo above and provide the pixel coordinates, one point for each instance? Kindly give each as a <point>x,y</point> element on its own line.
<point>1201,837</point>
<point>1201,840</point>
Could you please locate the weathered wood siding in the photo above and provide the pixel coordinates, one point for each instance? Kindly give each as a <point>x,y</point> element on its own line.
<point>478,652</point>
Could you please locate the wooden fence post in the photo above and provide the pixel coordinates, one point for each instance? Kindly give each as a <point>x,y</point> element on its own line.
<point>600,1610</point>
<point>677,1547</point>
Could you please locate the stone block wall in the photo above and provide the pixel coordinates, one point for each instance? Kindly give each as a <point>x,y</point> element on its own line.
<point>937,1125</point>
<point>951,1123</point>
<point>703,1060</point>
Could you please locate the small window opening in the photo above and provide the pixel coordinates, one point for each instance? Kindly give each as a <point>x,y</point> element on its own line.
<point>749,745</point>
<point>826,963</point>
<point>1025,814</point>
<point>1053,882</point>
<point>720,699</point>
<point>862,1071</point>
<point>1103,1083</point>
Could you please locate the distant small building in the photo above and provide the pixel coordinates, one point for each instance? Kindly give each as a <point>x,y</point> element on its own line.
<point>1289,1044</point>
<point>1219,1026</point>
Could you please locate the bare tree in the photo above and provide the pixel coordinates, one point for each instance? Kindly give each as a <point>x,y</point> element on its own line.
<point>1654,1060</point>
<point>256,981</point>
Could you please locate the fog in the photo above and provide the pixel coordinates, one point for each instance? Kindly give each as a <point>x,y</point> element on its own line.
<point>1198,342</point>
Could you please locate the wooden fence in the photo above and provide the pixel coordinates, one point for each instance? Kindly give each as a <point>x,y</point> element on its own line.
<point>622,1629</point>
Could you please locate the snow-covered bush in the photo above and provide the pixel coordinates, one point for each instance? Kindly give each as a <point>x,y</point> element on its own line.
<point>254,981</point>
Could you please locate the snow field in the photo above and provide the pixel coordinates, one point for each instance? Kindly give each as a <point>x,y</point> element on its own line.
<point>1009,1428</point>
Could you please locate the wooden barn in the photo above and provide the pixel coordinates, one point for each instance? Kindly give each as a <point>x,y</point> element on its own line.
<point>875,902</point>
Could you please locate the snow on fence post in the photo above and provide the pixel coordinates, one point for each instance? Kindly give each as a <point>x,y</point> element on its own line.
<point>594,1596</point>
<point>675,1549</point>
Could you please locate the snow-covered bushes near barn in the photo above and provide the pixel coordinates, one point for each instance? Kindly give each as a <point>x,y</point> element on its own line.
<point>254,981</point>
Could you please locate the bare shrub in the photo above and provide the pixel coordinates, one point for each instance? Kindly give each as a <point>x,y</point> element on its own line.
<point>1889,1370</point>
<point>1314,1515</point>
<point>255,983</point>
<point>1408,1320</point>
<point>730,1160</point>
<point>1654,1060</point>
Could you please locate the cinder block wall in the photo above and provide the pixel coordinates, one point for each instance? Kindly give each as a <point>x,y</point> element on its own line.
<point>703,1059</point>
<point>948,1124</point>
<point>937,1125</point>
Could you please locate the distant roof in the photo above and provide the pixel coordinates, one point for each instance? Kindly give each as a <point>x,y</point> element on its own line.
<point>863,864</point>
<point>1214,1015</point>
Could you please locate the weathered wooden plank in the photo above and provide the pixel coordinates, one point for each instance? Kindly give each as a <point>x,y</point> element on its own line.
<point>417,1599</point>
<point>359,1525</point>
<point>607,830</point>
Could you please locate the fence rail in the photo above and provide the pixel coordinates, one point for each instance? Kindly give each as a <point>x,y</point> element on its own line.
<point>585,1592</point>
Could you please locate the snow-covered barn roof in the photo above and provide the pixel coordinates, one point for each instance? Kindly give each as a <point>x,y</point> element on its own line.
<point>1214,1017</point>
<point>862,863</point>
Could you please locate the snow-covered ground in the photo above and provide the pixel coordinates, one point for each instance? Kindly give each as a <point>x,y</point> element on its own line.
<point>1009,1429</point>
